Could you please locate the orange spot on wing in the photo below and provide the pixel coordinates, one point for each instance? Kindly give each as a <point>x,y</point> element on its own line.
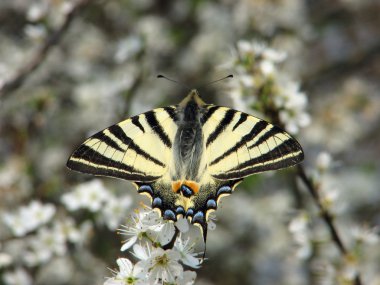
<point>176,185</point>
<point>192,185</point>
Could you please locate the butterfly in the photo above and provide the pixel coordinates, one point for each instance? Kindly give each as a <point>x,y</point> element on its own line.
<point>186,157</point>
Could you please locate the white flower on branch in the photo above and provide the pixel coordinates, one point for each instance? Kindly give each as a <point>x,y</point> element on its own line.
<point>298,227</point>
<point>128,273</point>
<point>323,161</point>
<point>114,210</point>
<point>147,223</point>
<point>259,74</point>
<point>89,195</point>
<point>292,104</point>
<point>37,12</point>
<point>188,278</point>
<point>29,218</point>
<point>68,229</point>
<point>186,251</point>
<point>182,225</point>
<point>44,245</point>
<point>163,265</point>
<point>365,234</point>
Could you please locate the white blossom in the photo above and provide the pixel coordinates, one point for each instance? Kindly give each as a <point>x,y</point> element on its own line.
<point>89,195</point>
<point>364,234</point>
<point>146,223</point>
<point>142,252</point>
<point>182,225</point>
<point>68,229</point>
<point>188,278</point>
<point>139,224</point>
<point>186,251</point>
<point>291,103</point>
<point>323,161</point>
<point>44,245</point>
<point>163,265</point>
<point>29,218</point>
<point>128,273</point>
<point>258,68</point>
<point>37,11</point>
<point>298,227</point>
<point>114,210</point>
<point>330,199</point>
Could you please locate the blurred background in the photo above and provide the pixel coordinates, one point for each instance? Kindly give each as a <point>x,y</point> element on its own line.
<point>101,68</point>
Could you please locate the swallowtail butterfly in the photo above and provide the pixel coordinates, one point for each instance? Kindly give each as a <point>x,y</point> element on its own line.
<point>186,157</point>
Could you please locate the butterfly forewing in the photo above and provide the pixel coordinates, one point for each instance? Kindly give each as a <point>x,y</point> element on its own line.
<point>137,149</point>
<point>238,145</point>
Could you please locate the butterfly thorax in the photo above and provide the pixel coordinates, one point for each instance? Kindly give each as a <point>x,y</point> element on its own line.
<point>188,143</point>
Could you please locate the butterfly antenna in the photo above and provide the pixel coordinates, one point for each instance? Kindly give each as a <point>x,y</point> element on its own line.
<point>175,81</point>
<point>215,81</point>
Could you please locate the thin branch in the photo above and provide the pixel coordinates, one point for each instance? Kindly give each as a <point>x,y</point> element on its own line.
<point>52,40</point>
<point>326,215</point>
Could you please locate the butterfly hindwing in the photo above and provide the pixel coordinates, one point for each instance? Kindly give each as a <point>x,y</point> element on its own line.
<point>137,149</point>
<point>238,145</point>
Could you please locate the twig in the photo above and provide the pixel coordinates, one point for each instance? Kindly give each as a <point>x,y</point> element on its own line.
<point>326,215</point>
<point>52,40</point>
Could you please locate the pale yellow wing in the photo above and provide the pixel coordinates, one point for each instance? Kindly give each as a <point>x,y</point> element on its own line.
<point>238,144</point>
<point>137,149</point>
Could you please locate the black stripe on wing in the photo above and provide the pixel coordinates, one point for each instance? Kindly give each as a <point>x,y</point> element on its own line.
<point>268,161</point>
<point>242,119</point>
<point>157,128</point>
<point>171,110</point>
<point>136,121</point>
<point>87,160</point>
<point>257,128</point>
<point>208,114</point>
<point>268,134</point>
<point>227,119</point>
<point>118,132</point>
<point>104,138</point>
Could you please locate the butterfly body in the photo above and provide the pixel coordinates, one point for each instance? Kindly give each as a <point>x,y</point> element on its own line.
<point>187,156</point>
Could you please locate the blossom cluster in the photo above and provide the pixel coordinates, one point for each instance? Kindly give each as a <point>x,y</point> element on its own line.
<point>42,232</point>
<point>96,198</point>
<point>148,234</point>
<point>262,84</point>
<point>39,234</point>
<point>311,241</point>
<point>28,218</point>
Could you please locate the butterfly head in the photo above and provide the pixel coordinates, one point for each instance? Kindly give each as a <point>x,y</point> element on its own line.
<point>193,96</point>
